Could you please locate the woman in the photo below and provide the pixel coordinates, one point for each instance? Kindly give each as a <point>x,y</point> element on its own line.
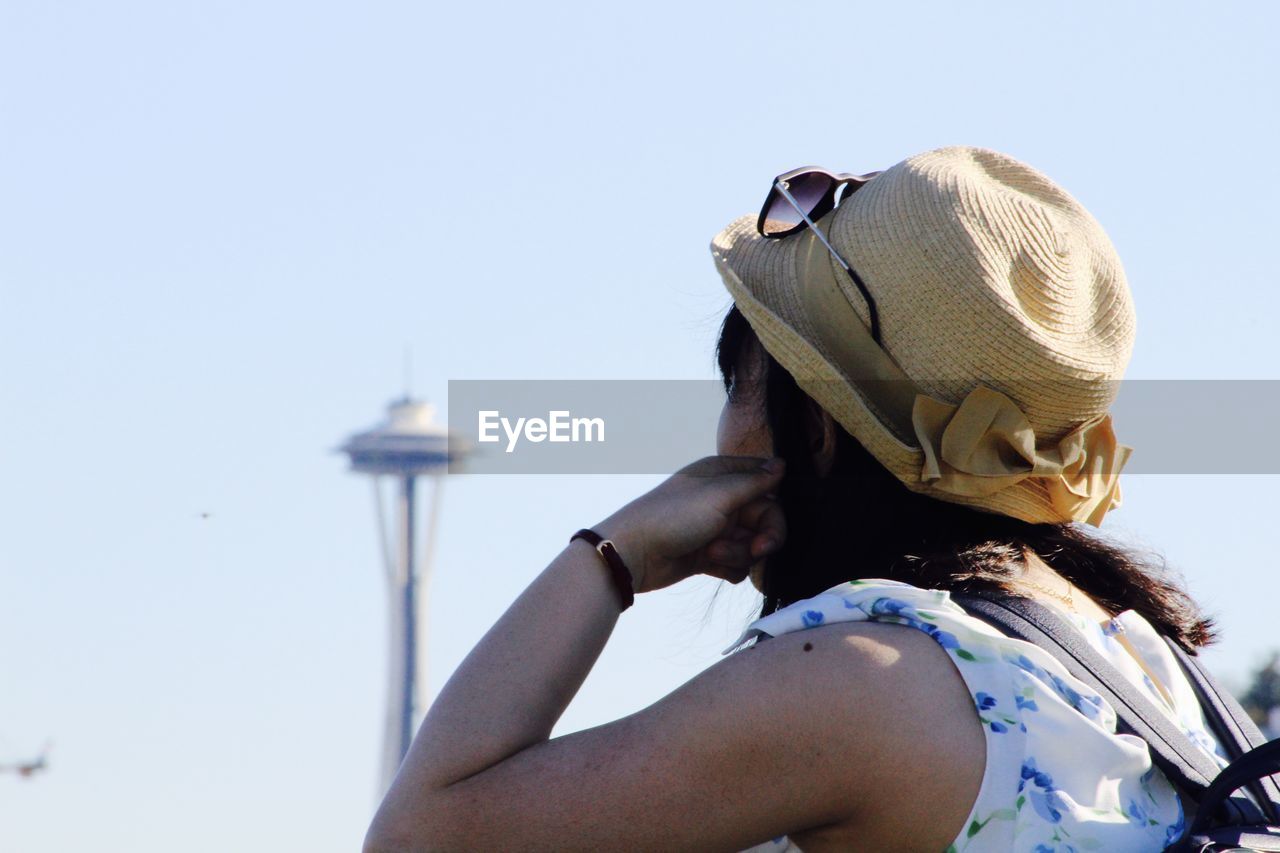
<point>918,377</point>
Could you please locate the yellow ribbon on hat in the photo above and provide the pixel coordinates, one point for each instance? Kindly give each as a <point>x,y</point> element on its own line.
<point>986,444</point>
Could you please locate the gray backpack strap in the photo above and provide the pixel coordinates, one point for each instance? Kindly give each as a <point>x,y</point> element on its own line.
<point>1184,763</point>
<point>1224,818</point>
<point>1203,835</point>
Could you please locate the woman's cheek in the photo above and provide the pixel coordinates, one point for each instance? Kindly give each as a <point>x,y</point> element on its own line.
<point>723,430</point>
<point>742,433</point>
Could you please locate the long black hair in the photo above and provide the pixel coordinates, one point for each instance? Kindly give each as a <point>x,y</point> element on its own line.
<point>859,521</point>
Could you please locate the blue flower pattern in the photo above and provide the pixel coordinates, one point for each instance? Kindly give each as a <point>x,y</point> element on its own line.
<point>1041,724</point>
<point>812,617</point>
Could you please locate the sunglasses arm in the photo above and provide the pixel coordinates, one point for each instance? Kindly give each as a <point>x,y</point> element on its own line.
<point>780,186</point>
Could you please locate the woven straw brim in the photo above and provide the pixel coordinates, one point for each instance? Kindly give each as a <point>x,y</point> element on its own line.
<point>764,277</point>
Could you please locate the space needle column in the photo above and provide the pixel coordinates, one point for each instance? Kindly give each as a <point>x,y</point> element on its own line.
<point>406,446</point>
<point>409,604</point>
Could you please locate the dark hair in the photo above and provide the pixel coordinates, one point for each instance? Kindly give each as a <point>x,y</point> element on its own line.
<point>907,536</point>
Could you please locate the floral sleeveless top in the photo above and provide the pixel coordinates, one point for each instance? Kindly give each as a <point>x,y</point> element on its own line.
<point>1058,777</point>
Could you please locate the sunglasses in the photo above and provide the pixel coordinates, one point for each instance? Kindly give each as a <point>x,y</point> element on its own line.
<point>801,196</point>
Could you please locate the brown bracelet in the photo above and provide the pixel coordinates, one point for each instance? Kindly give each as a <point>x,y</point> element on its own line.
<point>622,579</point>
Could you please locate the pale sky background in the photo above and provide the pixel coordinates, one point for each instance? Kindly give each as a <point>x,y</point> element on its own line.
<point>222,223</point>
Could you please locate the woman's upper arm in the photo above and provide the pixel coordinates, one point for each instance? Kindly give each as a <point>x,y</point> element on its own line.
<point>801,731</point>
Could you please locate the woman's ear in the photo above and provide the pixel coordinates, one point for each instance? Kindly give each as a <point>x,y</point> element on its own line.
<point>821,429</point>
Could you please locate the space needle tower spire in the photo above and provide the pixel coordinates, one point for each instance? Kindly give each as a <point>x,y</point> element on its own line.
<point>406,448</point>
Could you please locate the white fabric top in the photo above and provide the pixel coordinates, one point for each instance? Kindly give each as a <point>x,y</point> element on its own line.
<point>1058,777</point>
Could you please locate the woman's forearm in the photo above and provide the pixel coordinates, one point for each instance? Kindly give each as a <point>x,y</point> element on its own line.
<point>515,684</point>
<point>715,516</point>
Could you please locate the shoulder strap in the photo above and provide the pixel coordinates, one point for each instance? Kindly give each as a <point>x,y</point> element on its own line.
<point>1182,762</point>
<point>1177,756</point>
<point>1238,732</point>
<point>1259,763</point>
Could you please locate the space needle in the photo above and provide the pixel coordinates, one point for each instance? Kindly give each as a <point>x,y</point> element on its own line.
<point>406,447</point>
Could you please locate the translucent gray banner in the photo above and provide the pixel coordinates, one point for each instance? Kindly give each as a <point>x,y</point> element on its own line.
<point>1203,427</point>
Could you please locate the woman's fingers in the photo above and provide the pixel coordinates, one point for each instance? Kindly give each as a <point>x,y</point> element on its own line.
<point>737,480</point>
<point>767,525</point>
<point>758,529</point>
<point>729,552</point>
<point>732,574</point>
<point>743,546</point>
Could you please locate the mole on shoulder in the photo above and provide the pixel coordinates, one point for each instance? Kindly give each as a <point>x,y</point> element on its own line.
<point>808,647</point>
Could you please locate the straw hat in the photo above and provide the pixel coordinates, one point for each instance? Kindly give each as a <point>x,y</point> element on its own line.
<point>1006,323</point>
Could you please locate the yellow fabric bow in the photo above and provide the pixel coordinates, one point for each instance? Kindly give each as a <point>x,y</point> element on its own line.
<point>986,444</point>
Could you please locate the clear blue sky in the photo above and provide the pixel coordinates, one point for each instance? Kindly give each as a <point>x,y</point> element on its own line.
<point>221,224</point>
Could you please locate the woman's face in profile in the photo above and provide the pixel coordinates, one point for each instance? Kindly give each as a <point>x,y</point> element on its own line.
<point>743,430</point>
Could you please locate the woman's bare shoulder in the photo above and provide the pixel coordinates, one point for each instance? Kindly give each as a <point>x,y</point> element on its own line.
<point>897,711</point>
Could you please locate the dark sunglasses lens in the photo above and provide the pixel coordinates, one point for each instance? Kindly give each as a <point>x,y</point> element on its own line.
<point>808,189</point>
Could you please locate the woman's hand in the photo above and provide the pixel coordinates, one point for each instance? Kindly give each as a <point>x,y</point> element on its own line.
<point>717,516</point>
